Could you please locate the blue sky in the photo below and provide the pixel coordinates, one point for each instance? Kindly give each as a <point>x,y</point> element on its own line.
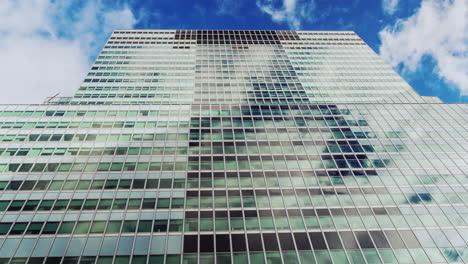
<point>54,42</point>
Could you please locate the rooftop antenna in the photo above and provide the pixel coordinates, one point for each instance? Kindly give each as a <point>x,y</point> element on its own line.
<point>50,98</point>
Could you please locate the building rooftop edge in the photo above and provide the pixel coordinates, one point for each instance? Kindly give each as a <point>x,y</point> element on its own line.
<point>234,30</point>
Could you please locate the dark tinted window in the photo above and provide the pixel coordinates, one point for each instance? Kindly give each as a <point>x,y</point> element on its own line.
<point>379,239</point>
<point>302,241</point>
<point>190,244</point>
<point>286,241</point>
<point>238,242</point>
<point>206,243</point>
<point>333,240</point>
<point>271,242</point>
<point>364,239</point>
<point>255,242</point>
<point>317,241</point>
<point>223,243</point>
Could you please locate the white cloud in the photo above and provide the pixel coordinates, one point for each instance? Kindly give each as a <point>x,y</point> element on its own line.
<point>119,18</point>
<point>438,29</point>
<point>390,6</point>
<point>293,12</point>
<point>46,46</point>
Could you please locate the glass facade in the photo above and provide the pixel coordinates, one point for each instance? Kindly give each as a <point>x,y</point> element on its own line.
<point>216,146</point>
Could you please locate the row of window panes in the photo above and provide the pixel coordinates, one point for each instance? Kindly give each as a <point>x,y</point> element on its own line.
<point>232,164</point>
<point>277,164</point>
<point>240,134</point>
<point>251,148</point>
<point>275,201</point>
<point>228,224</point>
<point>127,95</point>
<point>134,88</point>
<point>292,163</point>
<point>143,68</point>
<point>305,257</point>
<point>148,62</point>
<point>139,80</point>
<point>94,137</point>
<point>233,53</point>
<point>91,167</point>
<point>280,121</point>
<point>92,184</point>
<point>253,58</point>
<point>140,74</point>
<point>231,182</point>
<point>91,227</point>
<point>91,204</point>
<point>136,259</point>
<point>121,124</point>
<point>31,152</point>
<point>200,100</point>
<point>320,222</point>
<point>89,113</point>
<point>182,57</point>
<point>376,256</point>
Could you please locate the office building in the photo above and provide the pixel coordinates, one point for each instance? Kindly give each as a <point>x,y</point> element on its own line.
<point>242,146</point>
